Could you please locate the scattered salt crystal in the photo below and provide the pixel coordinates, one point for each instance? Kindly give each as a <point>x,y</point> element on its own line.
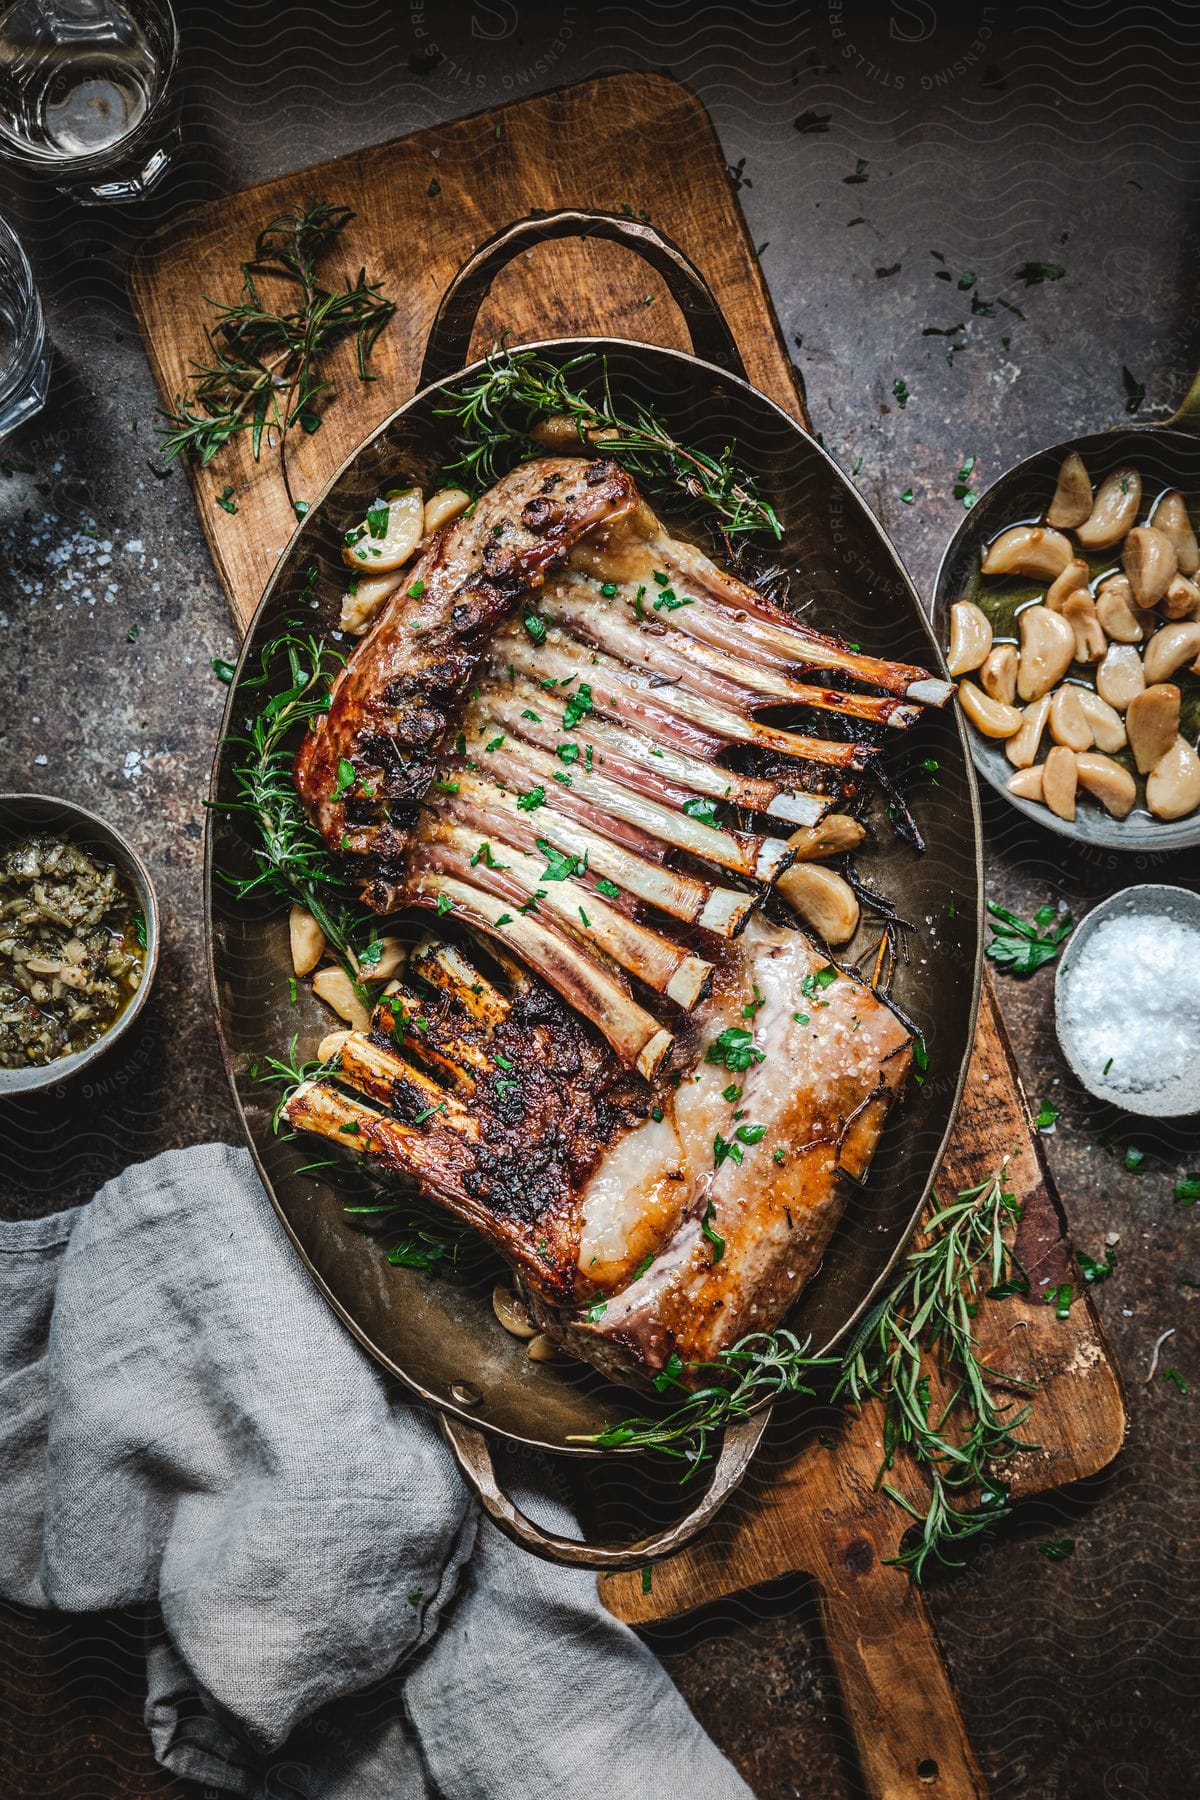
<point>1133,1002</point>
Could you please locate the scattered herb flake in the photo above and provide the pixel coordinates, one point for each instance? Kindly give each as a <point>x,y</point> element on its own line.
<point>1020,948</point>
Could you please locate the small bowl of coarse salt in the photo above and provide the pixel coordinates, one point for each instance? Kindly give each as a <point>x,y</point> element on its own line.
<point>1127,1001</point>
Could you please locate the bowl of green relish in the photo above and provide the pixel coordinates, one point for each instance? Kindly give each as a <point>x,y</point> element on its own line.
<point>78,939</point>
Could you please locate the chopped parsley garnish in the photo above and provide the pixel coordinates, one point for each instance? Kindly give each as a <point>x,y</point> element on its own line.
<point>429,1112</point>
<point>567,753</point>
<point>559,866</point>
<point>608,888</point>
<point>222,670</point>
<point>529,802</point>
<point>732,1093</point>
<point>722,1150</point>
<point>346,777</point>
<point>494,743</point>
<point>642,1267</point>
<point>668,600</point>
<point>505,919</point>
<point>608,589</point>
<point>735,1049</point>
<point>1047,1117</point>
<point>530,714</point>
<point>1134,1158</point>
<point>907,497</point>
<point>484,855</point>
<point>714,1238</point>
<point>535,626</point>
<point>703,811</point>
<point>226,501</point>
<point>801,1018</point>
<point>1034,273</point>
<point>920,1060</point>
<point>656,1113</point>
<point>1060,1298</point>
<point>444,903</point>
<point>818,981</point>
<point>596,1311</point>
<point>377,520</point>
<point>446,787</point>
<point>1135,391</point>
<point>1058,1549</point>
<point>578,706</point>
<point>751,1134</point>
<point>901,392</point>
<point>1021,948</point>
<point>668,1375</point>
<point>751,1007</point>
<point>416,590</point>
<point>860,173</point>
<point>1187,1190</point>
<point>1093,1271</point>
<point>962,490</point>
<point>1176,1379</point>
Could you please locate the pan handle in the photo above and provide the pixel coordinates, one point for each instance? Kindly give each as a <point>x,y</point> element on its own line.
<point>450,334</point>
<point>472,1453</point>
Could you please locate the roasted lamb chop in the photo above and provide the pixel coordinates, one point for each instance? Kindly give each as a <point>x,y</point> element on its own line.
<point>653,1101</point>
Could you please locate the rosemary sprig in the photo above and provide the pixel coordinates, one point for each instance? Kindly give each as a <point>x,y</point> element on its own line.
<point>928,1321</point>
<point>925,1323</point>
<point>264,367</point>
<point>496,411</point>
<point>757,1367</point>
<point>291,860</point>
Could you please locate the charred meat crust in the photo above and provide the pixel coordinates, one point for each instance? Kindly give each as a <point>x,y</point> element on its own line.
<point>389,705</point>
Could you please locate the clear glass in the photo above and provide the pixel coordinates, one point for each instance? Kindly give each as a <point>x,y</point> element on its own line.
<point>24,351</point>
<point>87,93</point>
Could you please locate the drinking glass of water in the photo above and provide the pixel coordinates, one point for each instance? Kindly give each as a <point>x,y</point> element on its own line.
<point>86,93</point>
<point>24,351</point>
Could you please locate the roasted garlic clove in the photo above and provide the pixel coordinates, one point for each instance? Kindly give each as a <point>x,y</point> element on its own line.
<point>1173,785</point>
<point>1031,550</point>
<point>1110,784</point>
<point>1073,577</point>
<point>970,637</point>
<point>1022,748</point>
<point>1149,562</point>
<point>1116,611</point>
<point>1059,782</point>
<point>823,900</point>
<point>1152,723</point>
<point>1107,725</point>
<point>388,535</point>
<point>441,507</point>
<point>1068,725</point>
<point>307,941</point>
<point>364,601</point>
<point>1072,502</point>
<point>1170,517</point>
<point>1170,648</point>
<point>391,958</point>
<point>1120,676</point>
<point>830,836</point>
<point>1114,511</point>
<point>330,1044</point>
<point>1081,615</point>
<point>1047,651</point>
<point>987,715</point>
<point>512,1313</point>
<point>543,1349</point>
<point>998,674</point>
<point>336,989</point>
<point>1181,600</point>
<point>1026,784</point>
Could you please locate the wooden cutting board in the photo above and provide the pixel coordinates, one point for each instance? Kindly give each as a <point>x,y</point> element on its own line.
<point>423,204</point>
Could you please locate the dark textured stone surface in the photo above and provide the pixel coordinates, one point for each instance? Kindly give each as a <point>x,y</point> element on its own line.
<point>1064,136</point>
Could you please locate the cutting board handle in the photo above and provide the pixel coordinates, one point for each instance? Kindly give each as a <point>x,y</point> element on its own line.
<point>471,1452</point>
<point>449,343</point>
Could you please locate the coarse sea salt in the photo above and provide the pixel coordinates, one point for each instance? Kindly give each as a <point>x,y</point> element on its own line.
<point>1133,1002</point>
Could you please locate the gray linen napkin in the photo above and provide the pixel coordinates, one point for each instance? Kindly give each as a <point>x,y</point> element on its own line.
<point>184,1424</point>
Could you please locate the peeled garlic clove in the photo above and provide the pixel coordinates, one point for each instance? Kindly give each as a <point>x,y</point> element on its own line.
<point>1026,784</point>
<point>1181,600</point>
<point>1120,677</point>
<point>307,941</point>
<point>1116,612</point>
<point>988,716</point>
<point>998,674</point>
<point>1021,749</point>
<point>391,957</point>
<point>830,836</point>
<point>1170,648</point>
<point>1047,651</point>
<point>1068,726</point>
<point>559,431</point>
<point>1170,517</point>
<point>1114,511</point>
<point>970,637</point>
<point>1081,615</point>
<point>443,506</point>
<point>1073,577</point>
<point>1107,725</point>
<point>1149,562</point>
<point>388,535</point>
<point>1173,785</point>
<point>364,601</point>
<point>511,1313</point>
<point>330,1044</point>
<point>543,1349</point>
<point>1152,723</point>
<point>1110,784</point>
<point>1072,502</point>
<point>1028,550</point>
<point>1059,782</point>
<point>823,899</point>
<point>336,989</point>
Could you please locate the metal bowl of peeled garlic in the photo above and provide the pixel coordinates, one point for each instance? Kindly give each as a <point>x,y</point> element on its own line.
<point>1068,605</point>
